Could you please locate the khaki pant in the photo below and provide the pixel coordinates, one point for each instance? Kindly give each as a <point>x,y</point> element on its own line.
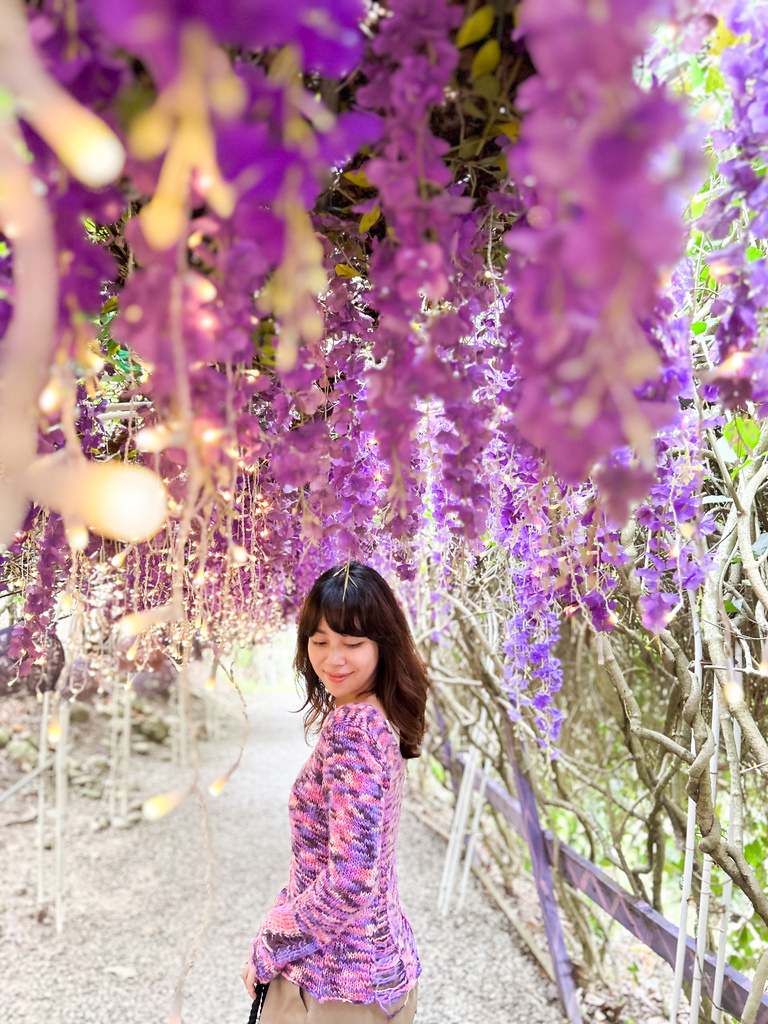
<point>287,1003</point>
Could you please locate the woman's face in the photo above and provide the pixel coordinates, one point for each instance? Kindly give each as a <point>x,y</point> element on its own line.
<point>345,665</point>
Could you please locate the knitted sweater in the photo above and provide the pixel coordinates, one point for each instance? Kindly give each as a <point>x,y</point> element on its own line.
<point>338,928</point>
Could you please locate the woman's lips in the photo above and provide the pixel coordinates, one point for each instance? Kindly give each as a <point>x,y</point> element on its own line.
<point>337,679</point>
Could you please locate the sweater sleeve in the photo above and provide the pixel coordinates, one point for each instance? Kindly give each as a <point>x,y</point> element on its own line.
<point>355,777</point>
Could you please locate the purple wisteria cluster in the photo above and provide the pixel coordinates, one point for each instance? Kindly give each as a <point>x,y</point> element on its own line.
<point>675,520</point>
<point>340,309</point>
<point>532,673</point>
<point>605,165</point>
<point>426,273</point>
<point>736,217</point>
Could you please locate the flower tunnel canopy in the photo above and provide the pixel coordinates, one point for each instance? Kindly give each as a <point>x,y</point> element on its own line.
<point>431,285</point>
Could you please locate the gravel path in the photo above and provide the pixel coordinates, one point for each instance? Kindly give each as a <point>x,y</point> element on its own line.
<point>136,896</point>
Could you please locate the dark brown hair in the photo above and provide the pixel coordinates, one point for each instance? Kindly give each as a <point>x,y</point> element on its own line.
<point>355,600</point>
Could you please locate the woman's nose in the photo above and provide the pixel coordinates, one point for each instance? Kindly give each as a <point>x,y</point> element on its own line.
<point>337,657</point>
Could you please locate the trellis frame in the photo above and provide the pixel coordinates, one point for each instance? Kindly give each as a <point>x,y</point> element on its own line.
<point>631,912</point>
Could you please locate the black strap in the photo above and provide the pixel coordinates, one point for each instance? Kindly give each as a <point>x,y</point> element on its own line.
<point>258,1002</point>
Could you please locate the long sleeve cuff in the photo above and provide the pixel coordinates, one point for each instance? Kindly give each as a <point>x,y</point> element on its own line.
<point>271,951</point>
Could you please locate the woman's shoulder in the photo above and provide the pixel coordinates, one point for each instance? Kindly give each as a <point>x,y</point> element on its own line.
<point>354,715</point>
<point>359,717</point>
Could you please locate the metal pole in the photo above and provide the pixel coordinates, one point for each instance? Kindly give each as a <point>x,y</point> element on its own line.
<point>61,810</point>
<point>114,752</point>
<point>458,826</point>
<point>183,718</point>
<point>25,780</point>
<point>126,757</point>
<point>41,762</point>
<point>470,851</point>
<point>459,823</point>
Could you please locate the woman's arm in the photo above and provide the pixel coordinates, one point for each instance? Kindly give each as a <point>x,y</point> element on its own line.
<point>355,777</point>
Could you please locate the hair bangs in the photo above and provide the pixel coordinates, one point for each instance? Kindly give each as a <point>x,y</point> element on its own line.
<point>343,605</point>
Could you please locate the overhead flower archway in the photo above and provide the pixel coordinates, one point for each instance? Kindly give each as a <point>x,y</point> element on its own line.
<point>285,286</point>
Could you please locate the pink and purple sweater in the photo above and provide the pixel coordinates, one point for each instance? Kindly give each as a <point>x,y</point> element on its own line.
<point>338,928</point>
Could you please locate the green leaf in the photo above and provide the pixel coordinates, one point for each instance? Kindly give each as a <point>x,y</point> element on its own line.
<point>695,72</point>
<point>742,435</point>
<point>344,270</point>
<point>358,177</point>
<point>754,851</point>
<point>753,253</point>
<point>486,59</point>
<point>110,306</point>
<point>715,80</point>
<point>741,465</point>
<point>437,768</point>
<point>7,102</point>
<point>699,327</point>
<point>509,128</point>
<point>367,221</point>
<point>476,26</point>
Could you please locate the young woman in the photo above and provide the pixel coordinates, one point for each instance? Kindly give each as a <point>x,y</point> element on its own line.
<point>336,947</point>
